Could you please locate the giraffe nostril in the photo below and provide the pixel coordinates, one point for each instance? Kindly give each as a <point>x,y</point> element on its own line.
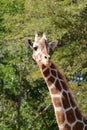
<point>45,57</point>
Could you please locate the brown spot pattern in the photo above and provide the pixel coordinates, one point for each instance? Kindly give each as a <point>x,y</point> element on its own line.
<point>57,85</point>
<point>78,126</point>
<point>78,114</point>
<point>57,102</point>
<point>59,75</point>
<point>60,117</point>
<point>65,101</point>
<point>85,121</point>
<point>46,72</point>
<point>67,127</point>
<point>70,116</point>
<point>86,128</point>
<point>52,66</point>
<point>53,72</point>
<point>55,90</point>
<point>50,81</point>
<point>71,100</point>
<point>43,67</point>
<point>64,85</point>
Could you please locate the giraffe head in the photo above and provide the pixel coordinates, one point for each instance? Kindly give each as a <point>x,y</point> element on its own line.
<point>41,49</point>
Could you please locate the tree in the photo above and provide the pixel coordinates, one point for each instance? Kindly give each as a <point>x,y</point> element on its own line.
<point>24,98</point>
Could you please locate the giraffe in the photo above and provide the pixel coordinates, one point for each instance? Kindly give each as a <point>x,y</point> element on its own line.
<point>67,113</point>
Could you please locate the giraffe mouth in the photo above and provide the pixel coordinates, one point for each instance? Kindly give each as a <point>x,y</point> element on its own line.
<point>47,62</point>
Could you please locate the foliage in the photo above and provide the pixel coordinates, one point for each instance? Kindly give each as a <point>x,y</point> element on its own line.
<point>24,96</point>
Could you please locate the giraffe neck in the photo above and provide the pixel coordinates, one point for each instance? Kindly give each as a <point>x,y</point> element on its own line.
<point>67,114</point>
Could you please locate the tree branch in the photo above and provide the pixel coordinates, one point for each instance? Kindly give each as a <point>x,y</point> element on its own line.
<point>40,114</point>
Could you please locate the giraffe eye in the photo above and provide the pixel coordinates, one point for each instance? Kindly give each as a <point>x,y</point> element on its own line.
<point>35,48</point>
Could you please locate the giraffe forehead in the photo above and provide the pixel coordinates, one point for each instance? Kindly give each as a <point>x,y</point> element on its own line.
<point>41,46</point>
<point>40,41</point>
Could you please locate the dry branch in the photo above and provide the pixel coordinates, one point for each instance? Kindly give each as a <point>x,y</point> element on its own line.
<point>40,114</point>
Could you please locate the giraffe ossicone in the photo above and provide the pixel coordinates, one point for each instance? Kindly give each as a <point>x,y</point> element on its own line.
<point>68,115</point>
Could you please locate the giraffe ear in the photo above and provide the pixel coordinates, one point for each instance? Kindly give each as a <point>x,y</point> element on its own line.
<point>30,43</point>
<point>53,45</point>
